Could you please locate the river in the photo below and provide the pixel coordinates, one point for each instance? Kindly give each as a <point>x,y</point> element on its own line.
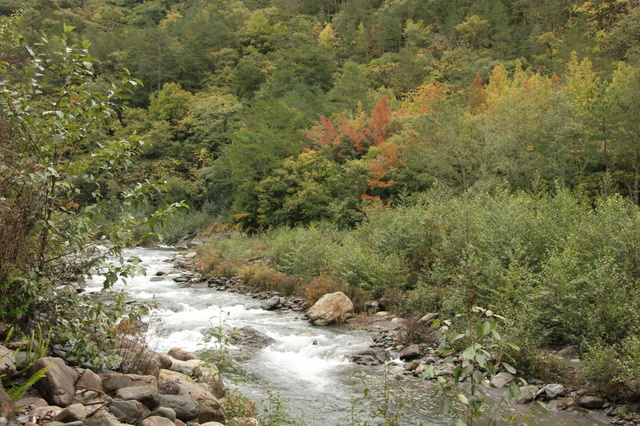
<point>306,369</point>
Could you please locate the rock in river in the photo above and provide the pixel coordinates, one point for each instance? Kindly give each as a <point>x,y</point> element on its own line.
<point>331,308</point>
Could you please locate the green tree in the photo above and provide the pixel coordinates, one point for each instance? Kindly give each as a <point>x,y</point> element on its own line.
<point>56,153</point>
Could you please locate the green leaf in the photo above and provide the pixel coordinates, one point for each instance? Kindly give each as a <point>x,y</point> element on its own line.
<point>509,368</point>
<point>463,399</point>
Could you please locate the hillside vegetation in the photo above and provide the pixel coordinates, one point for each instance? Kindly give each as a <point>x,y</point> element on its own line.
<point>435,154</point>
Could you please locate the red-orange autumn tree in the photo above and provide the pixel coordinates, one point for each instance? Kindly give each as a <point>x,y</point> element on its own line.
<point>351,137</point>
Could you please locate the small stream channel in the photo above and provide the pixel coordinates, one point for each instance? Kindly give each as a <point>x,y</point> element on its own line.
<point>306,368</point>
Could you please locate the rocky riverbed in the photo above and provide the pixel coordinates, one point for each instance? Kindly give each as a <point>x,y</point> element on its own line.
<point>177,388</point>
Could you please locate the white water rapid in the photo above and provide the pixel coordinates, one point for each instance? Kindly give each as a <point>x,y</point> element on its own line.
<point>306,366</point>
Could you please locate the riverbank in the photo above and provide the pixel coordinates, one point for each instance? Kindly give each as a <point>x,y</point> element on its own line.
<point>382,326</point>
<point>414,344</point>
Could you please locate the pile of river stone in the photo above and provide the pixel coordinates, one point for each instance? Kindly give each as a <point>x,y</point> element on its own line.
<point>183,390</point>
<point>390,343</point>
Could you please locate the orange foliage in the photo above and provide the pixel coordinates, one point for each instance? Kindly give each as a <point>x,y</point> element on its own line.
<point>352,137</point>
<point>382,164</point>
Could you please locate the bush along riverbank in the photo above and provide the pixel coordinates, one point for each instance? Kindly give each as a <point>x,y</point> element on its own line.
<point>458,354</point>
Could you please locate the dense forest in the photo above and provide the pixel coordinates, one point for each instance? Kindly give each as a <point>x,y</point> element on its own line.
<point>433,153</point>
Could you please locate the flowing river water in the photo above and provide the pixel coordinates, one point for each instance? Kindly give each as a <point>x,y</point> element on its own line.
<point>306,369</point>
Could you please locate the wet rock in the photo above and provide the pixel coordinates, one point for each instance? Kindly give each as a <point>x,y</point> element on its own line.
<point>58,384</point>
<point>331,308</point>
<point>371,356</point>
<point>502,379</point>
<point>181,354</point>
<point>410,352</point>
<point>272,303</point>
<point>591,402</point>
<point>248,336</point>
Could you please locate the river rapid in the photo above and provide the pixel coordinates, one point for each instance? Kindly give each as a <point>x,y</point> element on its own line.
<point>306,371</point>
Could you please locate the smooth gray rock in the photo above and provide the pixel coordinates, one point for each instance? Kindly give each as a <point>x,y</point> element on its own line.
<point>249,336</point>
<point>157,421</point>
<point>184,408</point>
<point>88,380</point>
<point>7,362</point>
<point>72,413</point>
<point>410,352</point>
<point>502,379</point>
<point>129,411</point>
<point>554,390</point>
<point>271,304</point>
<point>167,412</point>
<point>102,418</point>
<point>58,385</point>
<point>145,394</point>
<point>113,381</point>
<point>527,394</point>
<point>591,402</point>
<point>181,354</point>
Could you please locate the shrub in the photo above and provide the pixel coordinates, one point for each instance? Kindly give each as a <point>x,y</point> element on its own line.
<point>615,369</point>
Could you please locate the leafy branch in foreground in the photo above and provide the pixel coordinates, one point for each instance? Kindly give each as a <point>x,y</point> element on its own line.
<point>464,394</point>
<point>58,155</point>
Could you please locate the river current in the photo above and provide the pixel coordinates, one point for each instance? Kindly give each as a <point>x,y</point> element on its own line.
<point>306,369</point>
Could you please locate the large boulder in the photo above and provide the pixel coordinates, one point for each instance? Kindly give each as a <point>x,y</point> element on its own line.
<point>331,308</point>
<point>209,407</point>
<point>58,384</point>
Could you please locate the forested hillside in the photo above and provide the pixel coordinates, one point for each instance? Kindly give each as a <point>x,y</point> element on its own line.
<point>437,154</point>
<point>288,112</point>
